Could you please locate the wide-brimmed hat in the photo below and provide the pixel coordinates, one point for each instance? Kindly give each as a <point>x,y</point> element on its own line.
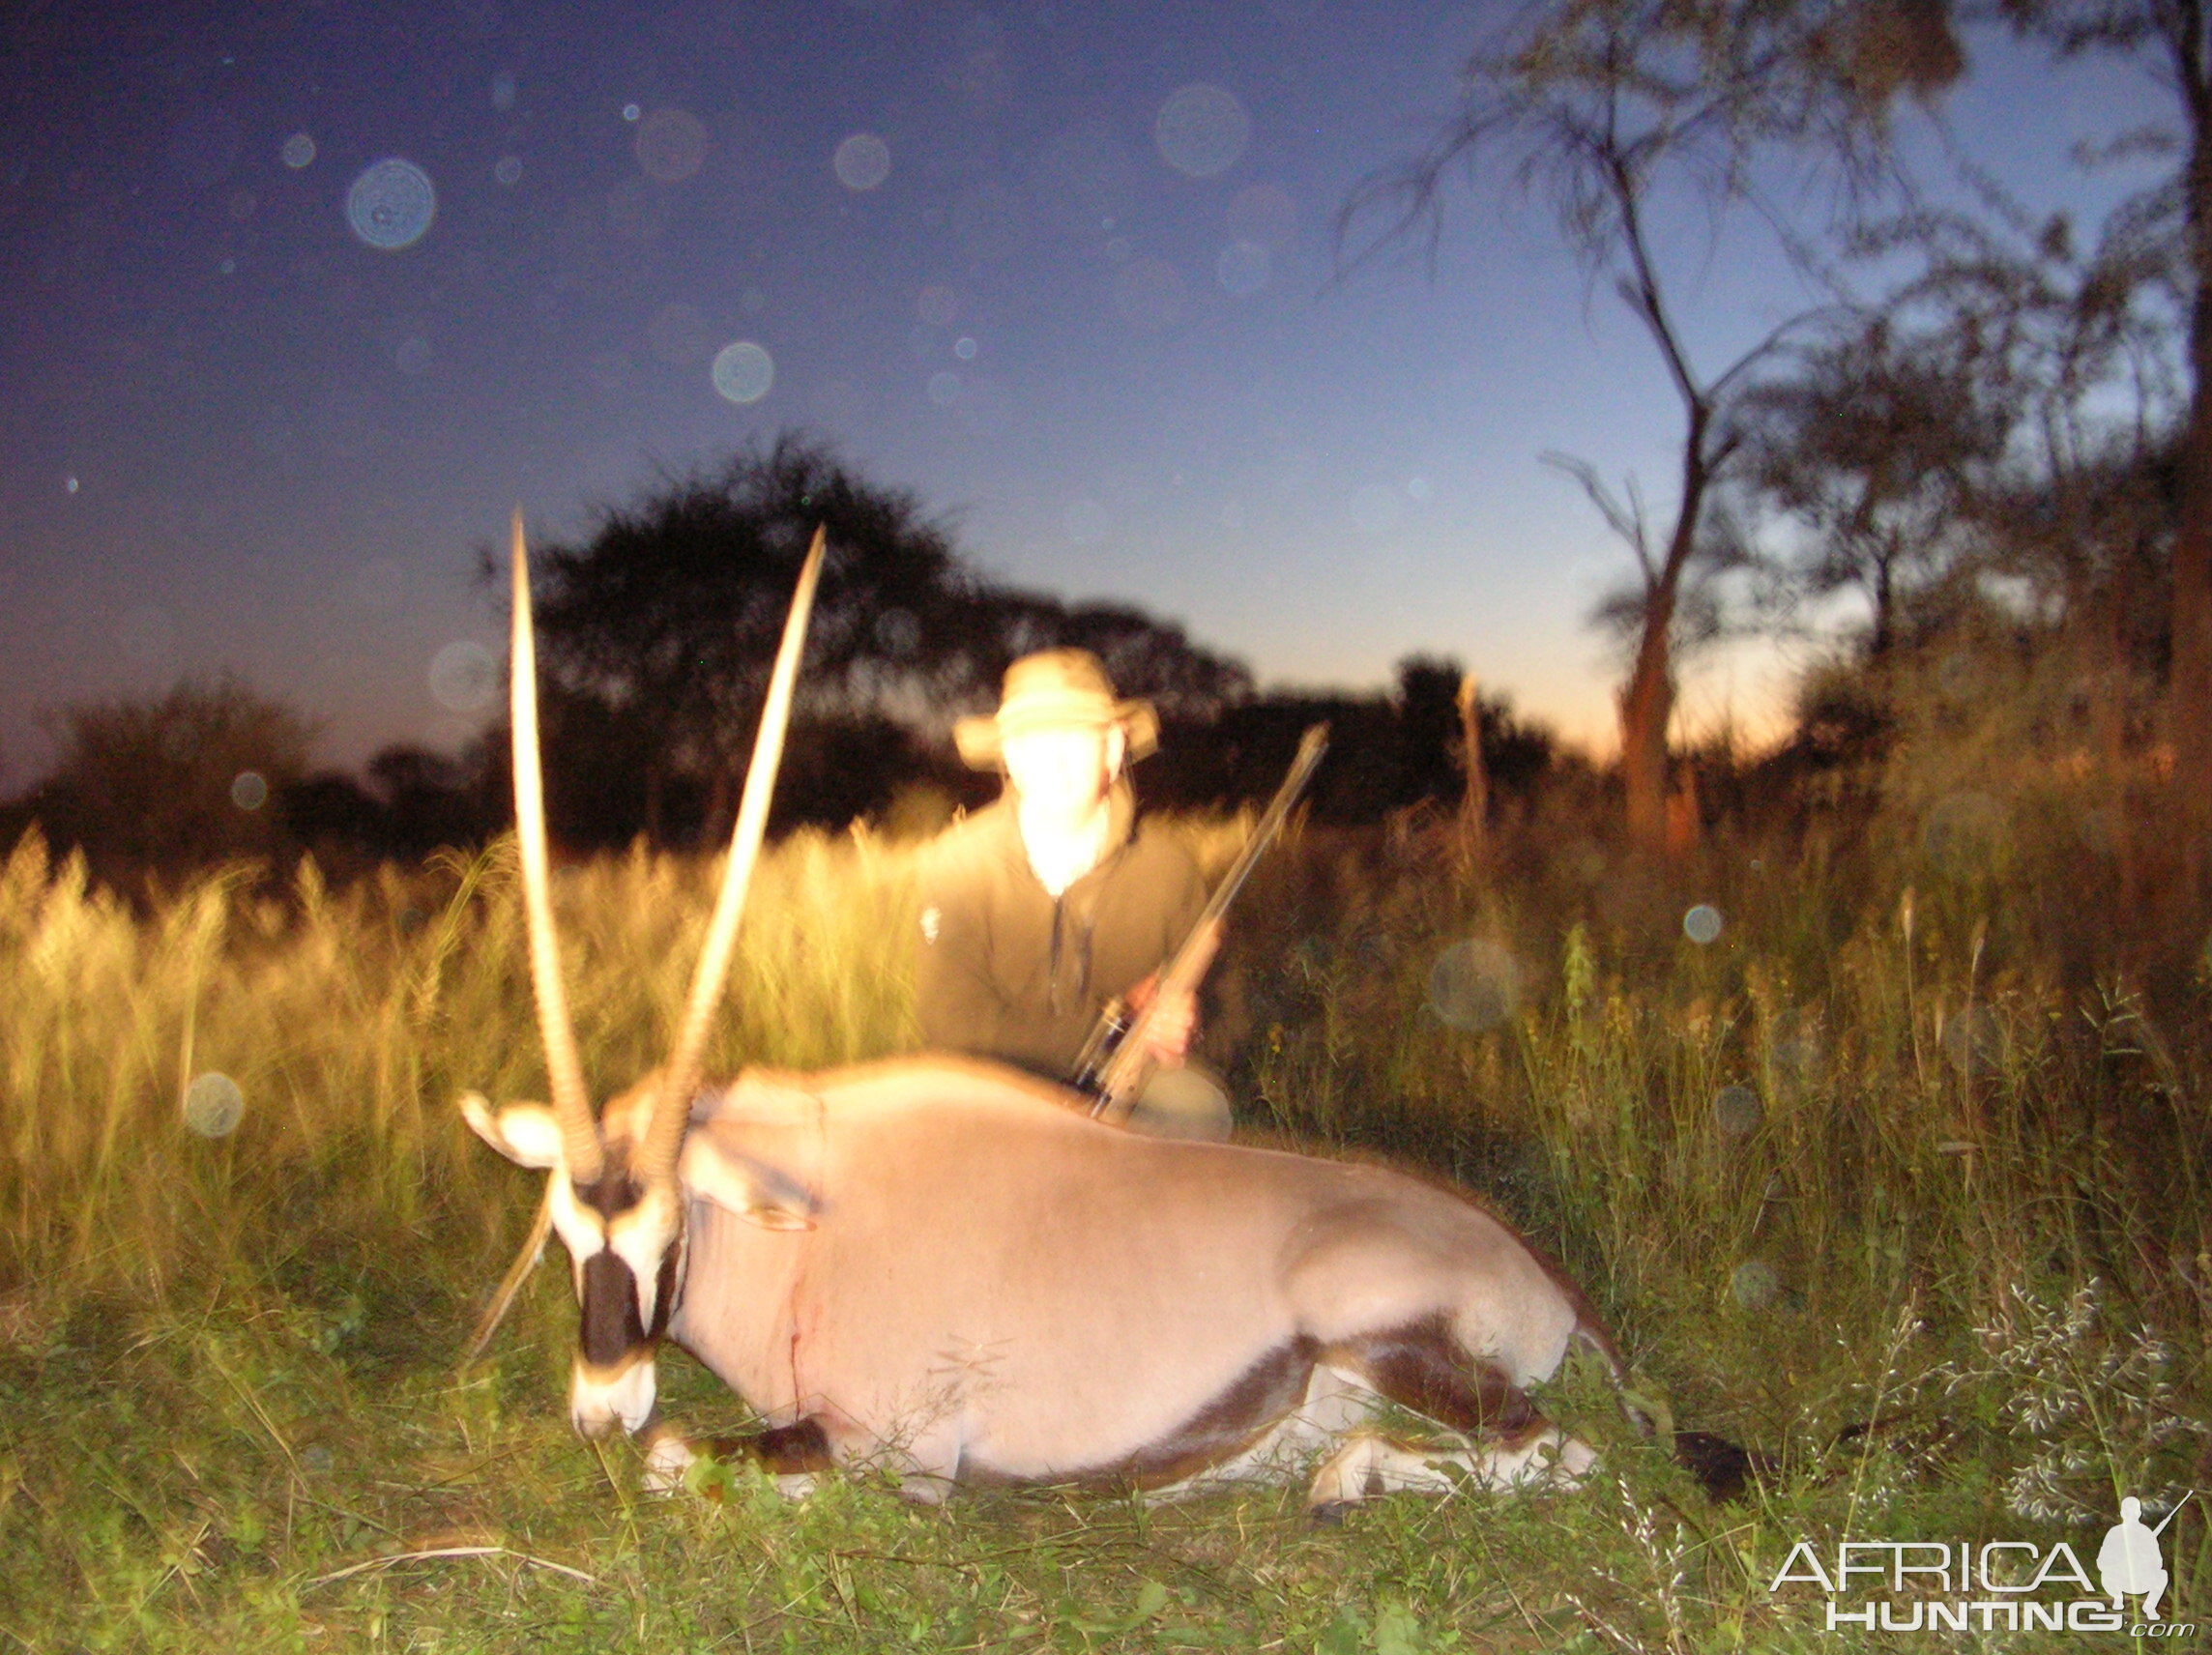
<point>1056,689</point>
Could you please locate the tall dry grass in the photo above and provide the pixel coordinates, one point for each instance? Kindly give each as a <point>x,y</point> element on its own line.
<point>1854,1160</point>
<point>351,1021</point>
<point>1899,1118</point>
<point>1867,1105</point>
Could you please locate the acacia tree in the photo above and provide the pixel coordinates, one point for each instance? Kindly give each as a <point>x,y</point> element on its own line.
<point>1876,443</point>
<point>657,633</point>
<point>1603,104</point>
<point>2168,228</point>
<point>670,610</point>
<point>2055,384</point>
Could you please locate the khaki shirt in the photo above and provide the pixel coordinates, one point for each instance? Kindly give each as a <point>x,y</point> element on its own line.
<point>1009,972</point>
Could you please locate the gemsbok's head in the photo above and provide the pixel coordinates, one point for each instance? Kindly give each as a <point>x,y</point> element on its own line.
<point>614,1194</point>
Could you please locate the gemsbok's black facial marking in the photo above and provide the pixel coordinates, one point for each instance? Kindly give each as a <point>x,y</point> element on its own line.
<point>616,1319</point>
<point>612,1193</point>
<point>670,1287</point>
<point>609,1328</point>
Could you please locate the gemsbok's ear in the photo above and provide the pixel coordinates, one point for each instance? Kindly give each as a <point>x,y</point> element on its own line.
<point>742,1185</point>
<point>526,1133</point>
<point>627,1114</point>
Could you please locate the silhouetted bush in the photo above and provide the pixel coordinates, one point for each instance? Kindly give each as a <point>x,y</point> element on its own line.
<point>160,787</point>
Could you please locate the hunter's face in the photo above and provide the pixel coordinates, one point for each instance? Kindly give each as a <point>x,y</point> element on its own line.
<point>1064,771</point>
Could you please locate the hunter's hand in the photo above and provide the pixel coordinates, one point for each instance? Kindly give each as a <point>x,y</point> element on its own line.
<point>1168,1036</point>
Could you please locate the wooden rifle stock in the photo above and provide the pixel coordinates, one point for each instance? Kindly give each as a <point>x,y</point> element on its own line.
<point>1114,1064</point>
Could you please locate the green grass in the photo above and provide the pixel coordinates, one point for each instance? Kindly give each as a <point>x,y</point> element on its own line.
<point>1968,1208</point>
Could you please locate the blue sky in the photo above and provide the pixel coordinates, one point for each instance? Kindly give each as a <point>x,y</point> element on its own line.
<point>1086,309</point>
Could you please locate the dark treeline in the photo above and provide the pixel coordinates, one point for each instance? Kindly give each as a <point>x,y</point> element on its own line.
<point>655,633</point>
<point>153,789</point>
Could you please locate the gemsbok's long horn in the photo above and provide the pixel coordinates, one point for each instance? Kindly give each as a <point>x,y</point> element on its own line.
<point>572,1103</point>
<point>655,1162</point>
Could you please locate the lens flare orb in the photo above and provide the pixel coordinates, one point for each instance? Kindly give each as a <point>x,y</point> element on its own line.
<point>392,204</point>
<point>1736,1110</point>
<point>214,1105</point>
<point>861,162</point>
<point>1243,269</point>
<point>1475,985</point>
<point>1755,1283</point>
<point>742,373</point>
<point>671,145</point>
<point>1201,130</point>
<point>464,677</point>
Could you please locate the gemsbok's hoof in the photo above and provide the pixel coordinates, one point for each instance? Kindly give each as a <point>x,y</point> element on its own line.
<point>667,1461</point>
<point>1329,1514</point>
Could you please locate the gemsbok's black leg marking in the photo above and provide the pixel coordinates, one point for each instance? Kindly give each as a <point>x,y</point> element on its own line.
<point>1246,1410</point>
<point>792,1450</point>
<point>1422,1366</point>
<point>800,1449</point>
<point>781,1450</point>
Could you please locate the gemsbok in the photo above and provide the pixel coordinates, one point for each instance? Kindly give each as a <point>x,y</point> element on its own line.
<point>945,1269</point>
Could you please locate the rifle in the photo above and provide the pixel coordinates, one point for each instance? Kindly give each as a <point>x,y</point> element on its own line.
<point>1113,1064</point>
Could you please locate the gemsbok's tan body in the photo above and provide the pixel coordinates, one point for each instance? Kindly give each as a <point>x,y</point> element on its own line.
<point>945,1268</point>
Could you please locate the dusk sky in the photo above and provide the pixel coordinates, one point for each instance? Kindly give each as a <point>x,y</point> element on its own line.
<point>300,298</point>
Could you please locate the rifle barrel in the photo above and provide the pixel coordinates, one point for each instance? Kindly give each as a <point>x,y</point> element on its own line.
<point>1124,1072</point>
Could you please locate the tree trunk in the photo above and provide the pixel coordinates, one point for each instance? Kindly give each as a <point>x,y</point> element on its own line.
<point>1647,704</point>
<point>1884,598</point>
<point>1686,822</point>
<point>1475,797</point>
<point>721,813</point>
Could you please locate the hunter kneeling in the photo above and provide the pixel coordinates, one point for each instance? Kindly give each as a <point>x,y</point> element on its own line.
<point>1043,908</point>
